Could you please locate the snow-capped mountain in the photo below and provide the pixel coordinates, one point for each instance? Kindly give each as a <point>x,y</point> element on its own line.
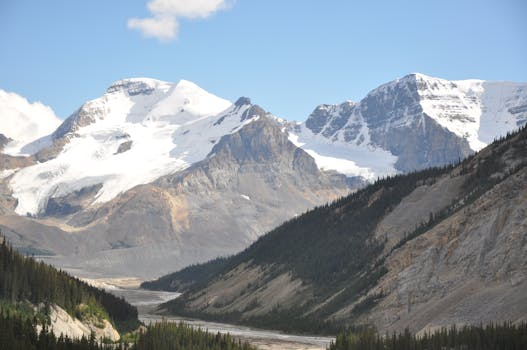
<point>22,121</point>
<point>142,129</point>
<point>411,123</point>
<point>138,131</point>
<point>153,176</point>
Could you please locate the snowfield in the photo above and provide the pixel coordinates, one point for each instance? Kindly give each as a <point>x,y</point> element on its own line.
<point>473,109</point>
<point>363,160</point>
<point>167,126</point>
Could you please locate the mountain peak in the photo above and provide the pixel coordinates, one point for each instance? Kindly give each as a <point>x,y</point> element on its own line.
<point>194,93</point>
<point>136,86</point>
<point>187,84</point>
<point>413,79</point>
<point>418,76</point>
<point>179,102</point>
<point>242,101</point>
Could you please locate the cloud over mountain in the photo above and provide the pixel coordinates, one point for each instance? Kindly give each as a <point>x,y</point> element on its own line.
<point>164,23</point>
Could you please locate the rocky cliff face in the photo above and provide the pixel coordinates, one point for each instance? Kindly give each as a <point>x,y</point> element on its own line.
<point>63,323</point>
<point>397,122</point>
<point>471,266</point>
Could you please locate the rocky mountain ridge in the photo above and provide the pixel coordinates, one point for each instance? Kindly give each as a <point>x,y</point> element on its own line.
<point>412,123</point>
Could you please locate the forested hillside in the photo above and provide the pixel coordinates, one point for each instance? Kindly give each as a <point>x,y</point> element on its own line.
<point>24,283</point>
<point>329,249</point>
<point>19,333</point>
<point>335,264</point>
<point>24,279</point>
<point>188,277</point>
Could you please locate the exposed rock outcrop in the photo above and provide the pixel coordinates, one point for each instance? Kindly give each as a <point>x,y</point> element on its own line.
<point>63,323</point>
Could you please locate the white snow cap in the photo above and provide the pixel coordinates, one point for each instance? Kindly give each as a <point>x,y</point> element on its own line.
<point>474,109</point>
<point>143,129</point>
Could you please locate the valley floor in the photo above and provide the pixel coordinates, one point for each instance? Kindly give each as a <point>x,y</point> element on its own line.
<point>146,302</point>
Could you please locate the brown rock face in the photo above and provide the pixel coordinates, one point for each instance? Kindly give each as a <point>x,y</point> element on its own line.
<point>10,162</point>
<point>470,268</point>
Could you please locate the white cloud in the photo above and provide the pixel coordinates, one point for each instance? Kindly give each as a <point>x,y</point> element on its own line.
<point>163,28</point>
<point>164,24</point>
<point>24,121</point>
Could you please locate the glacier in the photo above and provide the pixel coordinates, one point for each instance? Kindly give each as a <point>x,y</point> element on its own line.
<point>170,126</point>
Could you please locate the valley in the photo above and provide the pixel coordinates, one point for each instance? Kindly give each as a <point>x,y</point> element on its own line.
<point>147,301</point>
<point>263,175</point>
<point>401,211</point>
<point>420,251</point>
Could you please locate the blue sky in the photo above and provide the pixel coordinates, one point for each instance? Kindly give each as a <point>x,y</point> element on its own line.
<point>288,55</point>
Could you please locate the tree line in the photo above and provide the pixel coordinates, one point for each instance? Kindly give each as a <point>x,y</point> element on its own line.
<point>332,247</point>
<point>491,337</point>
<point>180,336</point>
<point>19,333</point>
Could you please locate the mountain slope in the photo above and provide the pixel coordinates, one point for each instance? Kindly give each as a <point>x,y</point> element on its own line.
<point>412,123</point>
<point>369,258</point>
<point>72,307</point>
<point>252,180</point>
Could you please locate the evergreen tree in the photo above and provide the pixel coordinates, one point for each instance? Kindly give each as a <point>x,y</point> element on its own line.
<point>491,337</point>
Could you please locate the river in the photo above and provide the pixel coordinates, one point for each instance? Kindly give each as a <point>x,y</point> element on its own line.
<point>146,301</point>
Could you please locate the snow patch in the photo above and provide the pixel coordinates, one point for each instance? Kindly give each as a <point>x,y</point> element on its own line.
<point>363,160</point>
<point>7,172</point>
<point>456,106</point>
<point>476,110</point>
